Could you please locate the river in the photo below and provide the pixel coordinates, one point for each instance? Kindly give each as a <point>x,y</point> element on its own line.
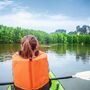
<point>63,60</point>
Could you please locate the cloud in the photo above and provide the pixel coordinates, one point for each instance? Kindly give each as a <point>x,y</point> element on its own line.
<point>48,23</point>
<point>5,3</point>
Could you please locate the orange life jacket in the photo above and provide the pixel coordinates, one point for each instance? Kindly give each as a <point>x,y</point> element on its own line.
<point>30,75</point>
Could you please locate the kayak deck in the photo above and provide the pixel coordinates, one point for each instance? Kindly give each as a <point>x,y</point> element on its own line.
<point>11,87</point>
<point>56,85</point>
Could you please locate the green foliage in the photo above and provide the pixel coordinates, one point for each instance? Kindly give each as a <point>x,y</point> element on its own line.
<point>14,35</point>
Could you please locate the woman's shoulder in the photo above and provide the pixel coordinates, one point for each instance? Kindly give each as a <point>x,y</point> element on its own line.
<point>41,54</point>
<point>15,54</point>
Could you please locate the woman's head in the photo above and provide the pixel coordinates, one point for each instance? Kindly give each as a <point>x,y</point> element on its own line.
<point>29,46</point>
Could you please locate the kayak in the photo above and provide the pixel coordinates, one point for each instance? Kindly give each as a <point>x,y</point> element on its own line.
<point>56,85</point>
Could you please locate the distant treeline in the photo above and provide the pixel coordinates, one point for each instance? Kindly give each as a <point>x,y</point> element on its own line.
<point>14,35</point>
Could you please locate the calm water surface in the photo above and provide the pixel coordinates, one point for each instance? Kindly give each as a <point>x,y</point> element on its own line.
<point>63,60</point>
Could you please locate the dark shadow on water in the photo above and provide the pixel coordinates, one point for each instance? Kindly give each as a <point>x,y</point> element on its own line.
<point>6,51</point>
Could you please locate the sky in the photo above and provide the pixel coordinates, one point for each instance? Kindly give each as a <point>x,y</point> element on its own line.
<point>45,15</point>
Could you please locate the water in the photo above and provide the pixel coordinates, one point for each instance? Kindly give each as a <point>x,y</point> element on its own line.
<point>68,60</point>
<point>63,60</point>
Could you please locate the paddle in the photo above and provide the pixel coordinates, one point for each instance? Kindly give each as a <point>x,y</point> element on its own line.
<point>83,75</point>
<point>6,83</point>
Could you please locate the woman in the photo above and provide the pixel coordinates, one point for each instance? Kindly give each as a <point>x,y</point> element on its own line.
<point>30,66</point>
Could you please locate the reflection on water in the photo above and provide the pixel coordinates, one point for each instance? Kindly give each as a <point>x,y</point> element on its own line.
<point>6,51</point>
<point>4,57</point>
<point>81,52</point>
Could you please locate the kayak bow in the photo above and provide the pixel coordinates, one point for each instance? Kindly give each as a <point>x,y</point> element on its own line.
<point>56,85</point>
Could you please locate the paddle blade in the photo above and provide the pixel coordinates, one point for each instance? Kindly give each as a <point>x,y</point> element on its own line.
<point>83,75</point>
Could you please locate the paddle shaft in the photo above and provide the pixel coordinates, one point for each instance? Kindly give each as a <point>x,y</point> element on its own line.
<point>6,83</point>
<point>67,77</point>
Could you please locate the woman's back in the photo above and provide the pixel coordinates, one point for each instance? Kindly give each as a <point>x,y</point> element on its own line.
<point>30,72</point>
